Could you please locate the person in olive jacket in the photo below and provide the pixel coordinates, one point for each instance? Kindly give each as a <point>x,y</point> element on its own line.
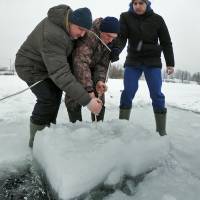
<point>147,36</point>
<point>44,57</point>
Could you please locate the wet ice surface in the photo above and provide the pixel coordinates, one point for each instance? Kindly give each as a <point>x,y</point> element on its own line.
<point>24,184</point>
<point>179,178</point>
<point>27,185</point>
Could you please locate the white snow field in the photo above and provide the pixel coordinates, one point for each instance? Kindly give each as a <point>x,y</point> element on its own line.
<point>78,157</point>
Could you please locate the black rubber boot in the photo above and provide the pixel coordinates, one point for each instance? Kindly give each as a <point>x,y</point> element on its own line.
<point>33,129</point>
<point>75,114</point>
<point>100,117</point>
<point>124,113</point>
<point>161,118</point>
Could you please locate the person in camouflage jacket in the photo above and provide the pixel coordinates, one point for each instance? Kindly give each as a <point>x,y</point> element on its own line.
<point>90,61</point>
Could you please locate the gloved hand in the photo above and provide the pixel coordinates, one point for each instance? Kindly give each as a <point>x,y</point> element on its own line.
<point>114,54</point>
<point>95,105</point>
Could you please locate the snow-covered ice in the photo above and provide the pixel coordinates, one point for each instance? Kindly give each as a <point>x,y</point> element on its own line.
<point>76,157</point>
<point>84,155</point>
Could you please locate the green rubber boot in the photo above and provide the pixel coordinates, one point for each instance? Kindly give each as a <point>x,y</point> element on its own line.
<point>33,129</point>
<point>124,113</point>
<point>160,118</point>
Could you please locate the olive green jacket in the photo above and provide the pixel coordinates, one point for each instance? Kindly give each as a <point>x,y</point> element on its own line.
<point>45,53</point>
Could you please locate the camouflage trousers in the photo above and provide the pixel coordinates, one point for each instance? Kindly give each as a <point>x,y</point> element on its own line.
<point>74,110</point>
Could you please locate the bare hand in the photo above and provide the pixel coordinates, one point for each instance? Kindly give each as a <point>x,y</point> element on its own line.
<point>101,87</point>
<point>95,105</point>
<point>92,95</point>
<point>170,70</point>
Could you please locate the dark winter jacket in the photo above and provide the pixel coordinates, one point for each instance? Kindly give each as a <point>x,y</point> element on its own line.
<point>45,54</point>
<point>90,59</point>
<point>147,37</point>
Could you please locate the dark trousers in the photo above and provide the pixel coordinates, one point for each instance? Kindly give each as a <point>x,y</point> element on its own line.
<point>154,82</point>
<point>47,104</point>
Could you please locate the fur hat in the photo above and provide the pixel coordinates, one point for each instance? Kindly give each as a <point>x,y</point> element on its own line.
<point>109,25</point>
<point>81,17</point>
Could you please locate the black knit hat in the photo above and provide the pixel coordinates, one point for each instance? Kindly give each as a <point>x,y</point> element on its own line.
<point>145,1</point>
<point>109,25</point>
<point>81,17</point>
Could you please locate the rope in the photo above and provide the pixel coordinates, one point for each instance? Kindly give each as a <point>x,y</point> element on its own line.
<point>100,40</point>
<point>21,91</point>
<point>95,116</point>
<point>107,74</point>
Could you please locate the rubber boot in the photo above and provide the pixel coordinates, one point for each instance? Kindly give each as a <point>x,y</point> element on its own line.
<point>124,113</point>
<point>100,117</point>
<point>75,114</point>
<point>33,129</point>
<point>160,118</point>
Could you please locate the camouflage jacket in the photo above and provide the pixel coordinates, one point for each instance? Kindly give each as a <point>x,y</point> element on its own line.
<point>90,59</point>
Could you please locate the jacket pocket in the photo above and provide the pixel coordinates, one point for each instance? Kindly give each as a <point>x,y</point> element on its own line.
<point>151,50</point>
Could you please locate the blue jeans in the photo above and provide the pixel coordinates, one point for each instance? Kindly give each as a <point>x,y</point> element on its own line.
<point>154,81</point>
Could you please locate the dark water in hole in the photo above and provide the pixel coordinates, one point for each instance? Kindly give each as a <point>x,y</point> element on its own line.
<point>26,184</point>
<point>23,185</point>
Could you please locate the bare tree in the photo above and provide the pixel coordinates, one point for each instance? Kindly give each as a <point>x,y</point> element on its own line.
<point>196,77</point>
<point>116,71</point>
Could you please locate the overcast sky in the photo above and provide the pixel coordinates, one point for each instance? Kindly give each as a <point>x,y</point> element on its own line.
<point>19,17</point>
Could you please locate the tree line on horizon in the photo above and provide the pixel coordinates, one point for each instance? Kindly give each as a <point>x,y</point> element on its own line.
<point>116,71</point>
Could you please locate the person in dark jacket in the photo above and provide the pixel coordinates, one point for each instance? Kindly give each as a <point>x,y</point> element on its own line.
<point>91,58</point>
<point>43,57</point>
<point>147,36</point>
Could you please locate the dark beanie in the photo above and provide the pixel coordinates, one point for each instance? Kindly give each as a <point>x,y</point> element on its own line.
<point>109,25</point>
<point>145,1</point>
<point>81,17</point>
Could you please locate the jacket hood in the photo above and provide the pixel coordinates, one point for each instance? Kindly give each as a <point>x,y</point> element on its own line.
<point>58,15</point>
<point>149,10</point>
<point>96,25</point>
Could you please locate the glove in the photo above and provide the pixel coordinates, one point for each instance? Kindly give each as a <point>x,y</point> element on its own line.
<point>114,54</point>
